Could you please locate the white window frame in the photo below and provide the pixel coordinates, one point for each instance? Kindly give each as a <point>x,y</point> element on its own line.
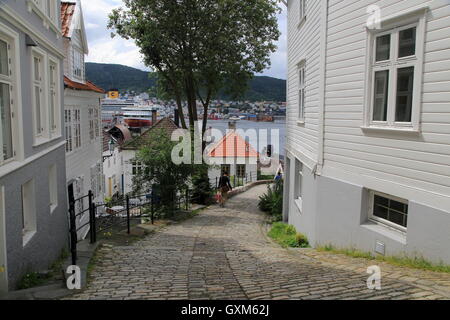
<point>47,10</point>
<point>97,122</point>
<point>137,167</point>
<point>77,128</point>
<point>91,119</point>
<point>393,26</point>
<point>382,221</point>
<point>54,93</point>
<point>12,79</point>
<point>68,130</point>
<point>298,184</point>
<point>40,134</point>
<point>301,12</point>
<point>78,64</point>
<point>301,95</point>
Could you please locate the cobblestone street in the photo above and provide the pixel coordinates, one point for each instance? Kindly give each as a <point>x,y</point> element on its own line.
<point>223,253</point>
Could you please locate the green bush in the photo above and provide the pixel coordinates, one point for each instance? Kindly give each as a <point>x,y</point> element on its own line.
<point>32,279</point>
<point>302,240</point>
<point>287,236</point>
<point>272,201</point>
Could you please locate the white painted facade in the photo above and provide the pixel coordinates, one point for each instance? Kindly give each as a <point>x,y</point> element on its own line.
<point>344,155</point>
<point>82,121</point>
<point>113,172</point>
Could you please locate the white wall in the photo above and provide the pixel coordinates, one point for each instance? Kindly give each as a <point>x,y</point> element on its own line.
<point>414,166</point>
<point>80,161</point>
<point>411,166</point>
<point>112,169</point>
<point>128,156</point>
<point>303,43</point>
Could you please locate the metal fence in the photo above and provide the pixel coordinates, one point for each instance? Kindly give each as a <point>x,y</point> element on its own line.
<point>113,216</point>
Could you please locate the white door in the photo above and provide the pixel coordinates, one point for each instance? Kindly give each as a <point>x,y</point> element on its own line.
<point>3,269</point>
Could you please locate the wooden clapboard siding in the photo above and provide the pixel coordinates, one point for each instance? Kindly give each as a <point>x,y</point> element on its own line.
<point>304,43</point>
<point>416,161</point>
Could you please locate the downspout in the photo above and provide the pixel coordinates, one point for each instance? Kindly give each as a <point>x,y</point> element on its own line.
<point>322,86</point>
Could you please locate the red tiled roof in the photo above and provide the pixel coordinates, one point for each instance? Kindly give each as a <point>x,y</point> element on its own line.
<point>88,86</point>
<point>67,10</point>
<point>233,145</point>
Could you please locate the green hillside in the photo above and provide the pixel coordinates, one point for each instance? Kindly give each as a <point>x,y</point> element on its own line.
<point>114,76</point>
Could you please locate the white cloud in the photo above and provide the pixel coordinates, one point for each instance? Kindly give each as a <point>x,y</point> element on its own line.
<point>104,49</point>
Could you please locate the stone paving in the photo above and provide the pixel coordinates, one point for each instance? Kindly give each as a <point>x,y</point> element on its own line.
<point>223,253</point>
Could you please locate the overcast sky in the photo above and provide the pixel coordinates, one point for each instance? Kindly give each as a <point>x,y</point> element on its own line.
<point>103,49</point>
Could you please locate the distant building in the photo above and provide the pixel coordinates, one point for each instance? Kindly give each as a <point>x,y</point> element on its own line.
<point>33,203</point>
<point>235,156</point>
<point>113,162</point>
<point>82,114</point>
<point>130,149</point>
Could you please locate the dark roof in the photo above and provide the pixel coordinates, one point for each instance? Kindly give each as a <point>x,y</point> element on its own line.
<point>165,124</point>
<point>88,86</point>
<point>67,11</point>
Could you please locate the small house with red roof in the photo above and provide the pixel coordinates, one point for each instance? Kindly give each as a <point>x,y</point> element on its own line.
<point>234,155</point>
<point>82,113</point>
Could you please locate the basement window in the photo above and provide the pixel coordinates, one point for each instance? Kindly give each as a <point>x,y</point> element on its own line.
<point>389,210</point>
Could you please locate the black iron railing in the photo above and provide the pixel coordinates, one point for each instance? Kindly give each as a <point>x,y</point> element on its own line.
<point>108,216</point>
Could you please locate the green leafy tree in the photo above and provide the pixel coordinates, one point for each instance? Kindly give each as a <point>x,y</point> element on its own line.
<point>159,173</point>
<point>199,47</point>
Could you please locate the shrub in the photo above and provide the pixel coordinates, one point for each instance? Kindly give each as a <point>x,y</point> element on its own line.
<point>272,201</point>
<point>287,236</point>
<point>302,240</point>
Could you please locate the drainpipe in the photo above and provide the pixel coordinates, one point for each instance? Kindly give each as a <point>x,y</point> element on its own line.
<point>322,86</point>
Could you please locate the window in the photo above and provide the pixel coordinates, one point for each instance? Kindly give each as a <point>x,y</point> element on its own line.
<point>240,170</point>
<point>389,210</point>
<point>53,97</point>
<point>77,127</point>
<point>91,124</point>
<point>298,179</point>
<point>302,10</point>
<point>28,211</point>
<point>68,130</point>
<point>78,64</point>
<point>301,91</point>
<point>96,122</point>
<point>225,168</point>
<point>136,167</point>
<point>6,101</point>
<point>38,89</point>
<point>298,185</point>
<point>51,9</point>
<point>53,187</point>
<point>396,71</point>
<point>46,9</point>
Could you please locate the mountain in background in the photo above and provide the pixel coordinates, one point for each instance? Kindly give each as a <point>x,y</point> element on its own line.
<point>115,76</point>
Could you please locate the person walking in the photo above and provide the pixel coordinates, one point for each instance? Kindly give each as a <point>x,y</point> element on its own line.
<point>224,188</point>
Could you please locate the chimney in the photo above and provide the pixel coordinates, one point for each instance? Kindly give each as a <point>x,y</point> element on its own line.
<point>232,125</point>
<point>154,117</point>
<point>177,117</point>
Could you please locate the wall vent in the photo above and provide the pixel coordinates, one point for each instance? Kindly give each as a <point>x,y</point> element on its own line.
<point>380,248</point>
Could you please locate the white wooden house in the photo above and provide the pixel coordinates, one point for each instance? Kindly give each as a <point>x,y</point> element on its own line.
<point>235,156</point>
<point>368,125</point>
<point>82,120</point>
<point>130,149</point>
